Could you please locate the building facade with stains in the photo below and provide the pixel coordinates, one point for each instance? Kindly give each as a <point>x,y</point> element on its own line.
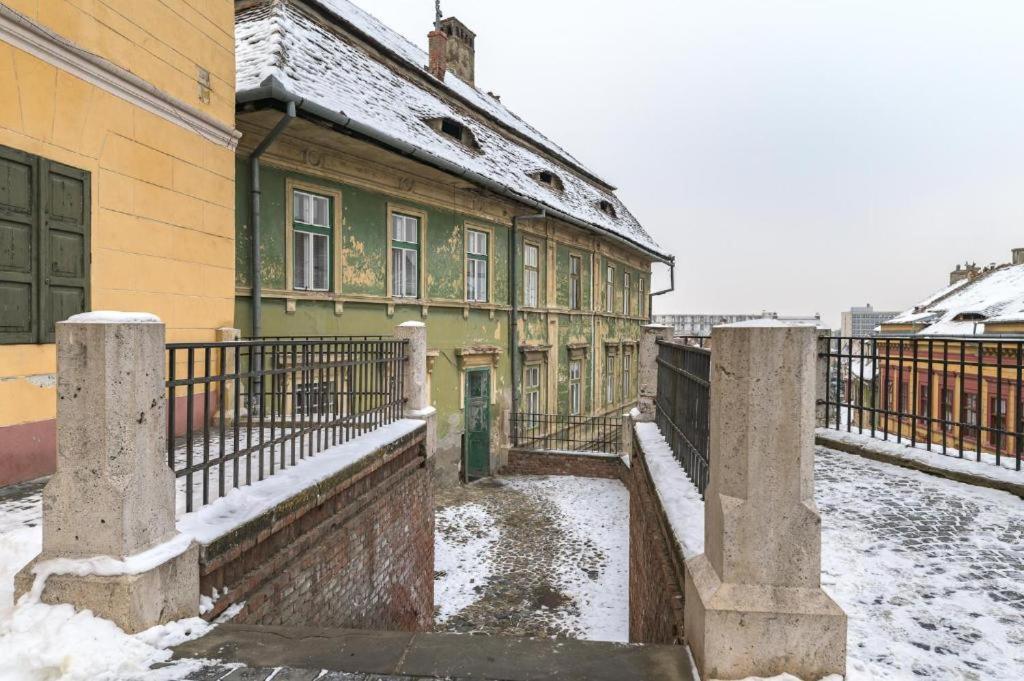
<point>116,186</point>
<point>388,188</point>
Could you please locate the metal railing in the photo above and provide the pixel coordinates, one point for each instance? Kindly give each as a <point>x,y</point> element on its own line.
<point>695,341</point>
<point>240,411</point>
<point>682,407</point>
<point>563,433</point>
<point>959,397</point>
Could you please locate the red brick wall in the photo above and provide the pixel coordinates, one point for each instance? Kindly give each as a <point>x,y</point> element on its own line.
<point>522,462</point>
<point>355,551</point>
<point>655,563</point>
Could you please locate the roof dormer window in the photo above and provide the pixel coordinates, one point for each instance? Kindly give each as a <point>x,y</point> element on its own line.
<point>970,317</point>
<point>607,208</point>
<point>449,127</point>
<point>549,179</point>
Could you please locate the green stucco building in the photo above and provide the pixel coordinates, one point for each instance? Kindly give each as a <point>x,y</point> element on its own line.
<point>391,189</point>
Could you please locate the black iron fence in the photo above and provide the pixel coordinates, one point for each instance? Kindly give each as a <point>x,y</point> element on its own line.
<point>960,397</point>
<point>240,411</point>
<point>682,408</point>
<point>559,432</point>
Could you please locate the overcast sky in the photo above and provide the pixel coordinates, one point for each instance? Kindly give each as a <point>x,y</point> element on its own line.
<point>799,156</point>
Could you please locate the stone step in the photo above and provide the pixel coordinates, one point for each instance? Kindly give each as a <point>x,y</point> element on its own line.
<point>362,655</point>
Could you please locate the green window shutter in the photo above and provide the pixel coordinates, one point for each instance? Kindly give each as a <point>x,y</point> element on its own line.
<point>64,245</point>
<point>19,247</point>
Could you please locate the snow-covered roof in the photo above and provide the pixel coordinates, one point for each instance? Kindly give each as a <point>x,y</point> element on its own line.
<point>333,67</point>
<point>964,308</point>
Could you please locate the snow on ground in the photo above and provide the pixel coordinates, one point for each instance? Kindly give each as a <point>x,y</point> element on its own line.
<point>595,514</point>
<point>929,571</point>
<point>534,556</point>
<point>464,542</point>
<point>43,642</point>
<point>987,467</point>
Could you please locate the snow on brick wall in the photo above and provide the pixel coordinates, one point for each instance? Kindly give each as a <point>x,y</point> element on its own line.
<point>359,554</point>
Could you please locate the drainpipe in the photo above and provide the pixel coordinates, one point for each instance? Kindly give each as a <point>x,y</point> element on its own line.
<point>671,287</point>
<point>254,217</point>
<point>513,335</point>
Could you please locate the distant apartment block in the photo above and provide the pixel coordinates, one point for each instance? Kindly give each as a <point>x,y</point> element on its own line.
<point>701,324</point>
<point>862,321</point>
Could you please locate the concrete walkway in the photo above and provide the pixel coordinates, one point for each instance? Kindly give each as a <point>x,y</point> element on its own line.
<point>354,655</point>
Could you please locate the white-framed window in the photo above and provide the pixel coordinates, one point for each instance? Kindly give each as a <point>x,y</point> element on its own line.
<point>531,275</point>
<point>627,286</point>
<point>311,241</point>
<point>609,288</point>
<point>609,379</point>
<point>627,385</point>
<point>575,286</point>
<point>575,386</point>
<point>405,256</point>
<point>315,398</point>
<point>476,265</point>
<point>642,303</point>
<point>531,389</point>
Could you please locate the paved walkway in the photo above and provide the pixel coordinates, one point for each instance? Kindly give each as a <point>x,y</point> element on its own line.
<point>930,571</point>
<point>544,556</point>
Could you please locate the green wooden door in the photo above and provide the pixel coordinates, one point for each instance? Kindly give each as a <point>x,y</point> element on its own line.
<point>478,423</point>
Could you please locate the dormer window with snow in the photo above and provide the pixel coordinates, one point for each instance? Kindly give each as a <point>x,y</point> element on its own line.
<point>607,208</point>
<point>970,317</point>
<point>449,127</point>
<point>548,179</point>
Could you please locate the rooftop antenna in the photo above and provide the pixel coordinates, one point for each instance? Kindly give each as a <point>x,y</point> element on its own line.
<point>437,14</point>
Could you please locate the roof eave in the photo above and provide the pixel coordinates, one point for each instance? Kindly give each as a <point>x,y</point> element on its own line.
<point>273,89</point>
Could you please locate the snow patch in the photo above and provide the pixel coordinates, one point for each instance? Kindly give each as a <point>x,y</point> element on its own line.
<point>245,503</point>
<point>113,317</point>
<point>463,567</point>
<point>679,497</point>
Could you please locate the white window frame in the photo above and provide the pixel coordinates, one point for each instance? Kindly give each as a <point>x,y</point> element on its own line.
<point>609,379</point>
<point>642,303</point>
<point>531,390</point>
<point>477,259</point>
<point>626,285</point>
<point>575,282</point>
<point>627,362</point>
<point>609,289</point>
<point>400,279</point>
<point>311,213</point>
<point>531,275</point>
<point>575,386</point>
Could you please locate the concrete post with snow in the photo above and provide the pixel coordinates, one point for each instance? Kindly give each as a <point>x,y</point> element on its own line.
<point>415,381</point>
<point>647,371</point>
<point>110,543</point>
<point>753,600</point>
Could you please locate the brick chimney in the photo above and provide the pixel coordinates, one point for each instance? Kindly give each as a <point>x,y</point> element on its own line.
<point>437,41</point>
<point>461,53</point>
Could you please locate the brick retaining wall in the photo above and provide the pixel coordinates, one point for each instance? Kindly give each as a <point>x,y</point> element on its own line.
<point>656,566</point>
<point>356,550</point>
<point>527,462</point>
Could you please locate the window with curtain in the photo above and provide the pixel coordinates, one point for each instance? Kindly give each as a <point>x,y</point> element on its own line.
<point>405,256</point>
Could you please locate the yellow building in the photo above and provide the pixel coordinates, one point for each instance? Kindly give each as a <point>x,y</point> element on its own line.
<point>116,185</point>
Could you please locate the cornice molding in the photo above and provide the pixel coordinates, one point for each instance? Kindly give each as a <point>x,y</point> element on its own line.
<point>26,35</point>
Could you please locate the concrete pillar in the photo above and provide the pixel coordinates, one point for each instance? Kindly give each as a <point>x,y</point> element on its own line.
<point>821,378</point>
<point>647,368</point>
<point>415,379</point>
<point>112,498</point>
<point>626,445</point>
<point>753,600</point>
<point>226,334</point>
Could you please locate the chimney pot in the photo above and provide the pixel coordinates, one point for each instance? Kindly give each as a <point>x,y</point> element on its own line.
<point>460,49</point>
<point>438,52</point>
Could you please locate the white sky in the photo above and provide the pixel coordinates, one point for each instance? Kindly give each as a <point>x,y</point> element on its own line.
<point>796,155</point>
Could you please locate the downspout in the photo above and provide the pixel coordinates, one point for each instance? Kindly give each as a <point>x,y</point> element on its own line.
<point>254,217</point>
<point>671,287</point>
<point>513,335</point>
